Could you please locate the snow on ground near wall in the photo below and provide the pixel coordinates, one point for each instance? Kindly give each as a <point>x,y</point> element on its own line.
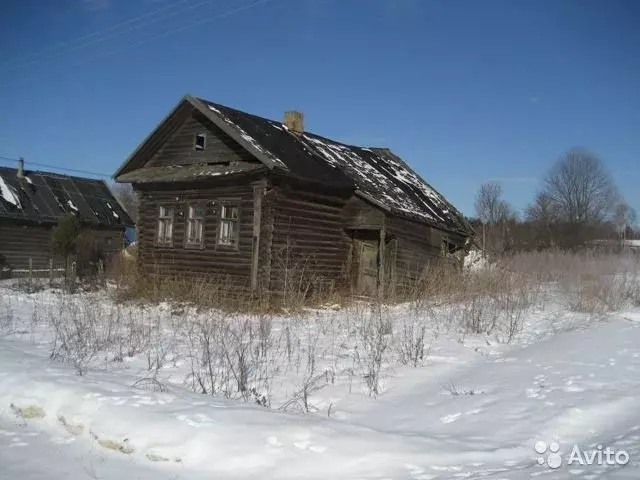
<point>473,411</point>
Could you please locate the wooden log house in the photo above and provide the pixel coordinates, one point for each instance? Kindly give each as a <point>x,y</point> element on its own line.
<point>31,202</point>
<point>255,201</point>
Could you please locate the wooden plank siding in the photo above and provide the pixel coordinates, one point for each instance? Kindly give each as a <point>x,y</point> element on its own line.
<point>416,245</point>
<point>309,243</point>
<point>229,264</point>
<point>179,149</point>
<point>19,242</point>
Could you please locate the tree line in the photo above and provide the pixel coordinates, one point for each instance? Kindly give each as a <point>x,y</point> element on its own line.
<point>578,203</point>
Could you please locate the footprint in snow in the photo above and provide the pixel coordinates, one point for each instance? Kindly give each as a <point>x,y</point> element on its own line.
<point>450,418</point>
<point>62,440</point>
<point>16,442</point>
<point>306,444</point>
<point>197,420</point>
<point>473,412</point>
<point>417,472</point>
<point>273,442</point>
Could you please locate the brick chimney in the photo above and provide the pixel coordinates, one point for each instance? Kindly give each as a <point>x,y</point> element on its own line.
<point>294,121</point>
<point>20,173</point>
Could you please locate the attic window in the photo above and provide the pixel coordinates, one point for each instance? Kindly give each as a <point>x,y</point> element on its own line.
<point>200,141</point>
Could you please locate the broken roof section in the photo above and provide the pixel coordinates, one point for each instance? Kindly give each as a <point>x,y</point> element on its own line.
<point>43,197</point>
<point>377,174</point>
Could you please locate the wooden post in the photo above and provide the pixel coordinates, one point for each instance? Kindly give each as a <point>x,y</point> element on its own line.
<point>30,273</point>
<point>50,270</point>
<point>258,193</point>
<point>381,262</point>
<point>101,274</point>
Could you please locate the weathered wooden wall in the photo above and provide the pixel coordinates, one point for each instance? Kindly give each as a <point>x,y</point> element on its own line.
<point>178,148</point>
<point>308,241</point>
<point>414,245</point>
<point>232,265</point>
<point>21,241</point>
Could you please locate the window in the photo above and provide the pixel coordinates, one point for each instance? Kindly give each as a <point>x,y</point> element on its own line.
<point>165,226</point>
<point>229,229</point>
<point>195,225</point>
<point>448,248</point>
<point>200,141</point>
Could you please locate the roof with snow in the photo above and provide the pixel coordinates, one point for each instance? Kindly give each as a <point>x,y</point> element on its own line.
<point>375,174</point>
<point>43,197</point>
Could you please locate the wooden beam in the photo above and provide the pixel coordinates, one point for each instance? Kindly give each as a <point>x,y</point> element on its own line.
<point>258,192</point>
<point>381,261</point>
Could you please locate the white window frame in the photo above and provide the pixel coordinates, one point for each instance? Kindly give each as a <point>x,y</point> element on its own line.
<point>164,230</point>
<point>195,226</point>
<point>198,136</point>
<point>228,225</point>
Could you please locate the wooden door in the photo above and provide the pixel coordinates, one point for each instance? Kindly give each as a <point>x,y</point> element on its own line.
<point>368,267</point>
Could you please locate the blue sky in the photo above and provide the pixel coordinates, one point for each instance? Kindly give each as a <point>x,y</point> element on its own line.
<point>465,91</point>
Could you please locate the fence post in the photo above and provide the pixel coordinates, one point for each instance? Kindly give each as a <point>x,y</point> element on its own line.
<point>101,274</point>
<point>50,270</point>
<point>30,274</point>
<point>72,283</point>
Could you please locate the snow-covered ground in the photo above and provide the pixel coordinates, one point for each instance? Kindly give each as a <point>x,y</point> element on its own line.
<point>473,407</point>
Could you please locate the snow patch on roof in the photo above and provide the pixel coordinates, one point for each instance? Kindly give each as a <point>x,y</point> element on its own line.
<point>9,194</point>
<point>249,139</point>
<point>382,177</point>
<point>115,215</point>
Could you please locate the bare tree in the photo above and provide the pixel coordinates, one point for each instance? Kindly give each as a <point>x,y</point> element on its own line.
<point>495,215</point>
<point>127,197</point>
<point>542,210</point>
<point>579,189</point>
<point>490,208</point>
<point>624,218</point>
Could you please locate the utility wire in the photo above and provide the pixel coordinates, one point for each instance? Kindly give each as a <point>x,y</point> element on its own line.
<point>224,14</point>
<point>101,37</point>
<point>55,167</point>
<point>59,45</point>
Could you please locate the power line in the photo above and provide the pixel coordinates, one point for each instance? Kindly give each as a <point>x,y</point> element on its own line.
<point>55,167</point>
<point>60,45</point>
<point>101,37</point>
<point>227,13</point>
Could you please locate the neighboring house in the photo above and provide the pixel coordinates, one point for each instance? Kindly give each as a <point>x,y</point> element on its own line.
<point>31,202</point>
<point>263,204</point>
<point>617,245</point>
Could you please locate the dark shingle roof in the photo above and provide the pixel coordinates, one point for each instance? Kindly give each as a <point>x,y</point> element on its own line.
<point>44,197</point>
<point>376,173</point>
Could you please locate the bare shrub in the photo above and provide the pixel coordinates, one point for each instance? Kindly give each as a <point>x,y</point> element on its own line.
<point>81,331</point>
<point>374,338</point>
<point>411,341</point>
<point>7,317</point>
<point>456,390</point>
<point>232,356</point>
